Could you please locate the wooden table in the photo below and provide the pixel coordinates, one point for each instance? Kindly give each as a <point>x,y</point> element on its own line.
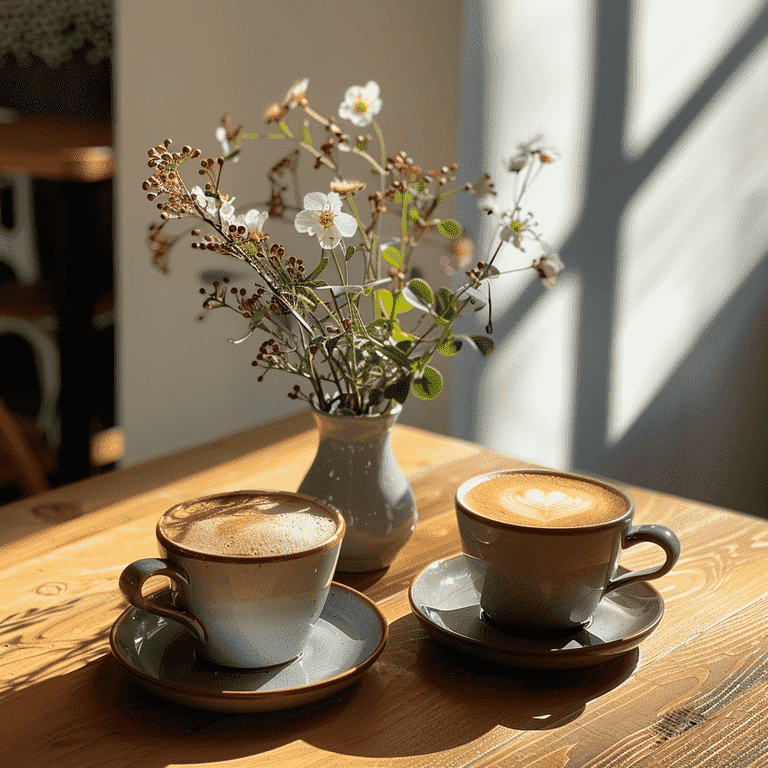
<point>693,695</point>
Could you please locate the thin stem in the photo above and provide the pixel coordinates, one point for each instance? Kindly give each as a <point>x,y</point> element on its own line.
<point>353,207</point>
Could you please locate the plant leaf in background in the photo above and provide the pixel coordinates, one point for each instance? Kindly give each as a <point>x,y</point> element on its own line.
<point>393,257</point>
<point>428,385</point>
<point>483,344</point>
<point>449,347</point>
<point>449,228</point>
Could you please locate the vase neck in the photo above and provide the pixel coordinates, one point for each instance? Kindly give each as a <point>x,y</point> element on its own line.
<point>354,429</point>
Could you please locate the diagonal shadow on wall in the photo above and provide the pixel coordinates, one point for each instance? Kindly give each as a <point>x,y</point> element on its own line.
<point>612,179</point>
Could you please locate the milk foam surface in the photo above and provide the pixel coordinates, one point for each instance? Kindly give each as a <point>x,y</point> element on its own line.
<point>245,525</point>
<point>545,501</point>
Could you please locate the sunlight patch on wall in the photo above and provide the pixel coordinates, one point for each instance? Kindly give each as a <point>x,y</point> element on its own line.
<point>528,386</point>
<point>671,53</point>
<point>690,237</point>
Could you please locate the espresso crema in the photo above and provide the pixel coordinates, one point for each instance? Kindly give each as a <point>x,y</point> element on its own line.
<point>248,525</point>
<point>544,500</point>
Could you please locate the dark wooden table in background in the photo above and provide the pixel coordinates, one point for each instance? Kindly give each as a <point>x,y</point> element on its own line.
<point>693,694</point>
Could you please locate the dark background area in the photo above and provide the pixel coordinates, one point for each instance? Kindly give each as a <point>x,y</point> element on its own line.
<point>75,88</point>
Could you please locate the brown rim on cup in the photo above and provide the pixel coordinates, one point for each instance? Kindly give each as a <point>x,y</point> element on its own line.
<point>219,557</point>
<point>495,522</point>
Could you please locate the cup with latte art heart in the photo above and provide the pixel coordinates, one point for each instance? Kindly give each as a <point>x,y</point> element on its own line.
<point>551,543</point>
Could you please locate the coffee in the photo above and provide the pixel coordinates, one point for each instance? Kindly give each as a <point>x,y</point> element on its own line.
<point>544,500</point>
<point>248,525</point>
<point>550,545</point>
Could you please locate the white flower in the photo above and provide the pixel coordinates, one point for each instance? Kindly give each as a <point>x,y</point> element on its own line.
<point>514,232</point>
<point>296,93</point>
<point>322,216</point>
<point>253,221</point>
<point>361,104</point>
<point>549,267</point>
<point>208,204</point>
<point>228,147</point>
<point>227,210</point>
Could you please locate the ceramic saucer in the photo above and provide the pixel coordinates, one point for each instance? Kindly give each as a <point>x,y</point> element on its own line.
<point>161,655</point>
<point>445,597</point>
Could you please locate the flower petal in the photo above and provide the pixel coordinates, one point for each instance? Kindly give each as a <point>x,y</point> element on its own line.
<point>329,237</point>
<point>315,201</point>
<point>254,220</point>
<point>334,200</point>
<point>345,224</point>
<point>305,221</point>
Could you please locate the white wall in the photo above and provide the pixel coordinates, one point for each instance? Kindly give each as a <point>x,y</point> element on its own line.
<point>643,364</point>
<point>180,65</point>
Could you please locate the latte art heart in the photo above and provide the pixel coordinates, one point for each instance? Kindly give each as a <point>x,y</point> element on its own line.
<point>545,500</point>
<point>542,506</point>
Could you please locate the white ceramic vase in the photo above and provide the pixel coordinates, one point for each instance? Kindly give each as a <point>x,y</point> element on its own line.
<point>355,471</point>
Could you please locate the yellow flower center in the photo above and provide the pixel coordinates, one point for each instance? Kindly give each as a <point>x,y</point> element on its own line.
<point>326,220</point>
<point>361,107</point>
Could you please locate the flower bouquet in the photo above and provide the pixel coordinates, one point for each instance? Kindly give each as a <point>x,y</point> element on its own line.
<point>352,315</point>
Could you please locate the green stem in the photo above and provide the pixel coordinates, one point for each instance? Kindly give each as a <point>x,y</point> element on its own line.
<point>353,207</point>
<point>380,136</point>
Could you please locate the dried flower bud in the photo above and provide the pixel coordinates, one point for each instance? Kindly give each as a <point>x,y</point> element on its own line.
<point>344,187</point>
<point>276,113</point>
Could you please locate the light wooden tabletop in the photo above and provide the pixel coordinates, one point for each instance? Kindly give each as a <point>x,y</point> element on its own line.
<point>693,694</point>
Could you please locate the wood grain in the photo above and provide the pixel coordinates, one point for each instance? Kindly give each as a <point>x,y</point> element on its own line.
<point>692,695</point>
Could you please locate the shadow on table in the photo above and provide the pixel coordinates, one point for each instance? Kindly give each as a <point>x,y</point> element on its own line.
<point>451,703</point>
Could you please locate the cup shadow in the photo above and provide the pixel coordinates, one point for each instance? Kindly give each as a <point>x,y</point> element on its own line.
<point>100,703</point>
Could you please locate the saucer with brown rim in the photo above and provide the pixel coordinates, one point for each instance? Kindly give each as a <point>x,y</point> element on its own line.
<point>161,655</point>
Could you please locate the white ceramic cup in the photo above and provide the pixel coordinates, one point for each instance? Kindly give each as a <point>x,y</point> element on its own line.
<point>247,611</point>
<point>552,579</point>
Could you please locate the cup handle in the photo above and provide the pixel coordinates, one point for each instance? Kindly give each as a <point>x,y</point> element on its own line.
<point>655,534</point>
<point>133,577</point>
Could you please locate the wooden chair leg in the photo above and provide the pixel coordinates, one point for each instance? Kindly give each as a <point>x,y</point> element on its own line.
<point>15,449</point>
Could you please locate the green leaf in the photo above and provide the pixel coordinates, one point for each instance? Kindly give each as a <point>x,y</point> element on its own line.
<point>449,228</point>
<point>422,290</point>
<point>393,353</point>
<point>400,304</point>
<point>361,147</point>
<point>399,390</point>
<point>449,347</point>
<point>398,334</point>
<point>286,129</point>
<point>350,252</point>
<point>399,197</point>
<point>428,385</point>
<point>256,318</point>
<point>483,344</point>
<point>413,214</point>
<point>331,343</point>
<point>443,300</point>
<point>318,270</point>
<point>306,134</point>
<point>394,257</point>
